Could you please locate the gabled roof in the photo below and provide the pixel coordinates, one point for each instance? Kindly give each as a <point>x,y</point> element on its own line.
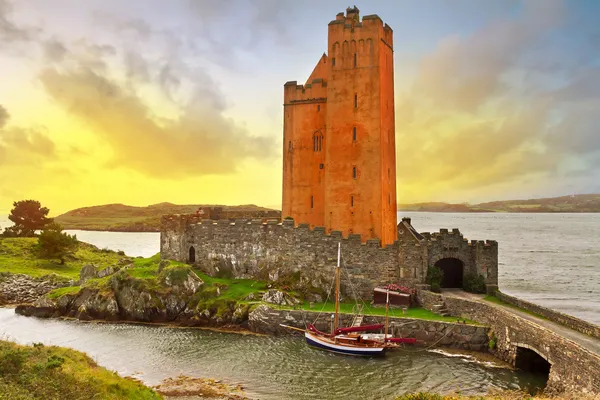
<point>320,70</point>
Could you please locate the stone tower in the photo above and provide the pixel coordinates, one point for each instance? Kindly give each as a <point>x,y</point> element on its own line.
<point>339,165</point>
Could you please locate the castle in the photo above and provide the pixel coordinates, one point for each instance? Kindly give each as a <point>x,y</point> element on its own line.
<point>339,186</point>
<point>339,155</point>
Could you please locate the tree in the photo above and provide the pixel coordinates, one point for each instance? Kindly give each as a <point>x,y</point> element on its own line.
<point>54,243</point>
<point>434,278</point>
<point>28,217</point>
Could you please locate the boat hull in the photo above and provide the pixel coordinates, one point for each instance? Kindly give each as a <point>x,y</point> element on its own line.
<point>320,343</point>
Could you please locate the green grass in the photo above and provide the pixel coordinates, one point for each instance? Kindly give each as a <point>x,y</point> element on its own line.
<point>413,312</point>
<point>56,293</point>
<point>496,300</point>
<point>19,256</point>
<point>234,289</point>
<point>42,372</point>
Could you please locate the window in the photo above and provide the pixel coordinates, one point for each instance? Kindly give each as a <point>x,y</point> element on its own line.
<point>333,62</point>
<point>312,202</point>
<point>317,141</point>
<point>354,134</point>
<point>354,172</point>
<point>321,166</point>
<point>355,59</point>
<point>318,107</point>
<point>351,201</point>
<point>290,145</point>
<point>389,198</point>
<point>388,173</point>
<point>355,100</point>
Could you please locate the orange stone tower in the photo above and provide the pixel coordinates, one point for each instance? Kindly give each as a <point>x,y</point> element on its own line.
<point>339,159</point>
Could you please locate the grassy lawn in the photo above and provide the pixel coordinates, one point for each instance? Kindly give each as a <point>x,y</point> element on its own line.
<point>19,256</point>
<point>496,300</point>
<point>43,372</point>
<point>413,312</point>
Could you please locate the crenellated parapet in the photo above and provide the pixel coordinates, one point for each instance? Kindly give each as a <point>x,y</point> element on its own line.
<point>272,248</point>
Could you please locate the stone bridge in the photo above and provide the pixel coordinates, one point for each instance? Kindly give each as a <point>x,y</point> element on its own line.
<point>569,359</point>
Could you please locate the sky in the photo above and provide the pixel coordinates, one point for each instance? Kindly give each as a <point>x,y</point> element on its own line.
<point>142,102</point>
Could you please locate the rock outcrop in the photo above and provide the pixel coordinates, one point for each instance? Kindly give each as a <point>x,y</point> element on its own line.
<point>122,297</point>
<point>280,298</point>
<point>19,288</point>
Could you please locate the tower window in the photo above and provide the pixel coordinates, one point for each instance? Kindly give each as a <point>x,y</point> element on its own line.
<point>354,134</point>
<point>312,202</point>
<point>355,59</point>
<point>355,100</point>
<point>354,172</point>
<point>333,62</point>
<point>351,201</point>
<point>290,145</point>
<point>317,141</point>
<point>318,107</point>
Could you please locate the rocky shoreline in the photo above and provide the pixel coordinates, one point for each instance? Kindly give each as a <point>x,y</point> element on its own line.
<point>19,288</point>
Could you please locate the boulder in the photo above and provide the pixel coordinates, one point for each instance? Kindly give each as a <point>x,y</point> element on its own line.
<point>87,272</point>
<point>274,296</point>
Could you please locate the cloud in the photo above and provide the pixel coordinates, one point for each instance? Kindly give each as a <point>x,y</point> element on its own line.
<point>489,108</point>
<point>20,146</point>
<point>199,142</point>
<point>106,85</point>
<point>4,116</point>
<point>9,31</point>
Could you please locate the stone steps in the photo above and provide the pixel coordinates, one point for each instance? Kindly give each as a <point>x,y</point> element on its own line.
<point>440,309</point>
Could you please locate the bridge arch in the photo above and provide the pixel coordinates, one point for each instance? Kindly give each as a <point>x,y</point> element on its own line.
<point>530,359</point>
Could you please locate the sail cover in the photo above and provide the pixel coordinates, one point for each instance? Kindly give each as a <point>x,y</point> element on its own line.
<point>363,328</point>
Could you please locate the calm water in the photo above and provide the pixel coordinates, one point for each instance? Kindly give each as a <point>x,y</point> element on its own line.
<point>550,259</point>
<point>269,367</point>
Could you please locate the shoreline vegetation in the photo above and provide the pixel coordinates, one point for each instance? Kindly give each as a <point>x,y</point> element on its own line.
<point>122,218</point>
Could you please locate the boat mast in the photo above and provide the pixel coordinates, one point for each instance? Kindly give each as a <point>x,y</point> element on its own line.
<point>337,290</point>
<point>387,305</point>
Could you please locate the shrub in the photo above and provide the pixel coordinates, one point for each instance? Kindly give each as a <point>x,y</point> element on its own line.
<point>434,278</point>
<point>474,283</point>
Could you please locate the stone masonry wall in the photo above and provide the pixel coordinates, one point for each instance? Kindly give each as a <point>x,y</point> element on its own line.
<point>270,250</point>
<point>558,317</point>
<point>573,368</point>
<point>247,249</point>
<point>267,320</point>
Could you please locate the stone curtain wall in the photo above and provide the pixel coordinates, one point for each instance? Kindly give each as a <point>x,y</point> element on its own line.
<point>270,250</point>
<point>574,369</point>
<point>252,249</point>
<point>267,320</point>
<point>558,317</point>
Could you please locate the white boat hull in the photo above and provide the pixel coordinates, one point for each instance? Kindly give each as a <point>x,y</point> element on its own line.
<point>316,341</point>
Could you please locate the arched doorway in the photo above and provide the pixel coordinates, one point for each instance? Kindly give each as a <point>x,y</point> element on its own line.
<point>192,255</point>
<point>530,361</point>
<point>452,269</point>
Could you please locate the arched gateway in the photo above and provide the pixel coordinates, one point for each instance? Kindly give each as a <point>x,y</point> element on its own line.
<point>453,272</point>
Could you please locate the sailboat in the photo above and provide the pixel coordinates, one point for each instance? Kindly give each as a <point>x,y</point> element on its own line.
<point>349,340</point>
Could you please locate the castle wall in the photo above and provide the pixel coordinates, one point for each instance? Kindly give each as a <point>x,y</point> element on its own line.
<point>281,251</point>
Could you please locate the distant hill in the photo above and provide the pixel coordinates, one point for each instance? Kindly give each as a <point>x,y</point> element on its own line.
<point>123,218</point>
<point>566,204</point>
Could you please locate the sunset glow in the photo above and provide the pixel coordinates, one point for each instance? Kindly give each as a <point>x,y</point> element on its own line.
<point>142,102</point>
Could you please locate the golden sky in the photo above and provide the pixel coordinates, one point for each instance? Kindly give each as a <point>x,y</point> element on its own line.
<point>141,102</point>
